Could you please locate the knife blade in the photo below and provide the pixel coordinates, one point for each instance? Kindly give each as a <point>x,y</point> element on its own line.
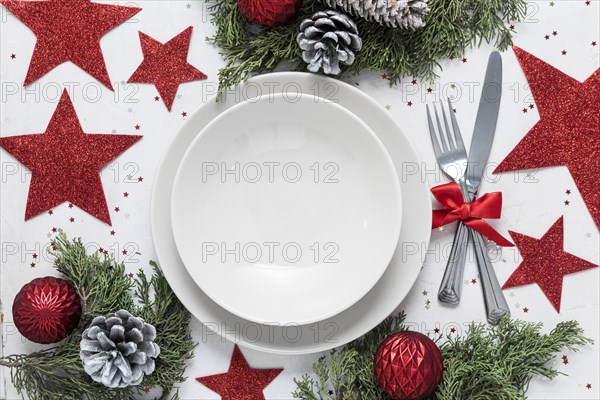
<point>485,123</point>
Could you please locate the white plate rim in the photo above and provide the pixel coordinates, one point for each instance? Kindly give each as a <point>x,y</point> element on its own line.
<point>380,302</point>
<point>389,243</point>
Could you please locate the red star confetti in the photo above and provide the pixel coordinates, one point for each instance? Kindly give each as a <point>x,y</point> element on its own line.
<point>125,194</point>
<point>65,163</point>
<point>50,212</point>
<point>124,252</point>
<point>240,382</point>
<point>32,265</point>
<point>464,60</point>
<point>568,191</point>
<point>594,44</point>
<point>54,230</point>
<point>184,114</point>
<point>384,75</point>
<point>68,31</point>
<point>554,33</point>
<point>589,386</point>
<point>414,82</point>
<point>137,127</point>
<point>547,37</point>
<point>34,255</point>
<point>140,179</point>
<point>131,275</point>
<point>545,263</point>
<point>13,56</point>
<point>117,209</point>
<point>452,330</point>
<point>410,103</point>
<point>567,202</point>
<point>166,66</point>
<point>564,52</point>
<point>525,310</point>
<point>567,132</point>
<point>437,330</point>
<point>112,233</point>
<point>71,219</point>
<point>473,281</point>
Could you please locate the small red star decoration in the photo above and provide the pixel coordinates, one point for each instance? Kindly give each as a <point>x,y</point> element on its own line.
<point>140,179</point>
<point>65,162</point>
<point>409,104</point>
<point>117,209</point>
<point>464,60</point>
<point>184,114</point>
<point>429,90</point>
<point>587,2</point>
<point>531,106</point>
<point>125,194</point>
<point>437,330</point>
<point>34,256</point>
<point>567,132</point>
<point>564,52</point>
<point>124,252</point>
<point>568,191</point>
<point>384,75</point>
<point>414,82</point>
<point>54,230</point>
<point>70,205</point>
<point>589,386</point>
<point>137,127</point>
<point>526,310</point>
<point>567,202</point>
<point>451,58</point>
<point>547,37</point>
<point>452,330</point>
<point>156,98</point>
<point>240,382</point>
<point>112,233</point>
<point>565,360</point>
<point>68,31</point>
<point>50,212</point>
<point>71,219</point>
<point>166,66</point>
<point>554,33</point>
<point>131,275</point>
<point>594,43</point>
<point>545,262</point>
<point>525,111</point>
<point>473,281</point>
<point>101,250</point>
<point>32,265</point>
<point>13,56</point>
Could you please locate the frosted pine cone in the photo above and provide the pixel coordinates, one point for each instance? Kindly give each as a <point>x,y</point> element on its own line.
<point>405,14</point>
<point>119,350</point>
<point>327,39</point>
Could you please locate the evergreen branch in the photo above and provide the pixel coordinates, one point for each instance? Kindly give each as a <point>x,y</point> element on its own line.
<point>452,26</point>
<point>57,372</point>
<point>487,363</point>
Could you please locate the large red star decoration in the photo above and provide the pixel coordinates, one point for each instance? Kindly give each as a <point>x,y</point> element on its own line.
<point>68,31</point>
<point>166,66</point>
<point>240,382</point>
<point>568,132</point>
<point>545,263</point>
<point>65,162</point>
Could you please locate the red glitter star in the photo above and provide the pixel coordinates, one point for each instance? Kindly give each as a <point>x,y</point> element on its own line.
<point>34,255</point>
<point>568,191</point>
<point>68,31</point>
<point>117,209</point>
<point>589,386</point>
<point>70,205</point>
<point>166,66</point>
<point>184,114</point>
<point>524,111</point>
<point>240,382</point>
<point>414,82</point>
<point>531,106</point>
<point>437,330</point>
<point>125,194</point>
<point>409,104</point>
<point>567,132</point>
<point>451,58</point>
<point>526,310</point>
<point>54,230</point>
<point>112,233</point>
<point>137,127</point>
<point>50,212</point>
<point>140,179</point>
<point>473,281</point>
<point>464,60</point>
<point>429,90</point>
<point>124,252</point>
<point>594,43</point>
<point>564,52</point>
<point>545,263</point>
<point>452,330</point>
<point>131,275</point>
<point>13,56</point>
<point>511,27</point>
<point>384,75</point>
<point>565,360</point>
<point>587,2</point>
<point>71,219</point>
<point>547,37</point>
<point>32,265</point>
<point>567,202</point>
<point>156,98</point>
<point>65,162</point>
<point>554,33</point>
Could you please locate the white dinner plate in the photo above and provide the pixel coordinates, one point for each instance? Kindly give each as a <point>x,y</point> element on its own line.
<point>277,198</point>
<point>370,310</point>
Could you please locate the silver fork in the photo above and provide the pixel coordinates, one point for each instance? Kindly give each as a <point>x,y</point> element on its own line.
<point>451,155</point>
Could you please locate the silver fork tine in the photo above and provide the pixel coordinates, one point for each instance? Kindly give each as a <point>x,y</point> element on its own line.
<point>455,128</point>
<point>449,133</point>
<point>434,140</point>
<point>441,131</point>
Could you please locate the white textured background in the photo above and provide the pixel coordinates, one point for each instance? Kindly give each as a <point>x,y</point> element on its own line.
<point>532,203</point>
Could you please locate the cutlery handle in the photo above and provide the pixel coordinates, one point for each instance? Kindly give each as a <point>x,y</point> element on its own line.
<point>495,303</point>
<point>450,288</point>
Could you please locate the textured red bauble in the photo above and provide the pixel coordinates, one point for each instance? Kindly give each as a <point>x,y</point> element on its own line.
<point>46,310</point>
<point>269,12</point>
<point>408,366</point>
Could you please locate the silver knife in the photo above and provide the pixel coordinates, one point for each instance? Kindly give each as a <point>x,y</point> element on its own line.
<point>481,144</point>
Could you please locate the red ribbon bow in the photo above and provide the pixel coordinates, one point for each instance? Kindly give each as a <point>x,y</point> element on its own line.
<point>471,214</point>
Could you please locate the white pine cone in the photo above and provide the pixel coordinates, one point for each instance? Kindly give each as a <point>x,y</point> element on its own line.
<point>118,350</point>
<point>405,14</point>
<point>327,39</point>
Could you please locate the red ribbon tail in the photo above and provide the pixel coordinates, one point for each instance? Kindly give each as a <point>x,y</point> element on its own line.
<point>486,230</point>
<point>440,218</point>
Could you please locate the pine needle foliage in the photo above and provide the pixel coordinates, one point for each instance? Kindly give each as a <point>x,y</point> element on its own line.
<point>57,373</point>
<point>487,363</point>
<point>452,26</point>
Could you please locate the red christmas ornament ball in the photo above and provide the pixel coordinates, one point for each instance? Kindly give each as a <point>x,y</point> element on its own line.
<point>269,12</point>
<point>408,366</point>
<point>47,310</point>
